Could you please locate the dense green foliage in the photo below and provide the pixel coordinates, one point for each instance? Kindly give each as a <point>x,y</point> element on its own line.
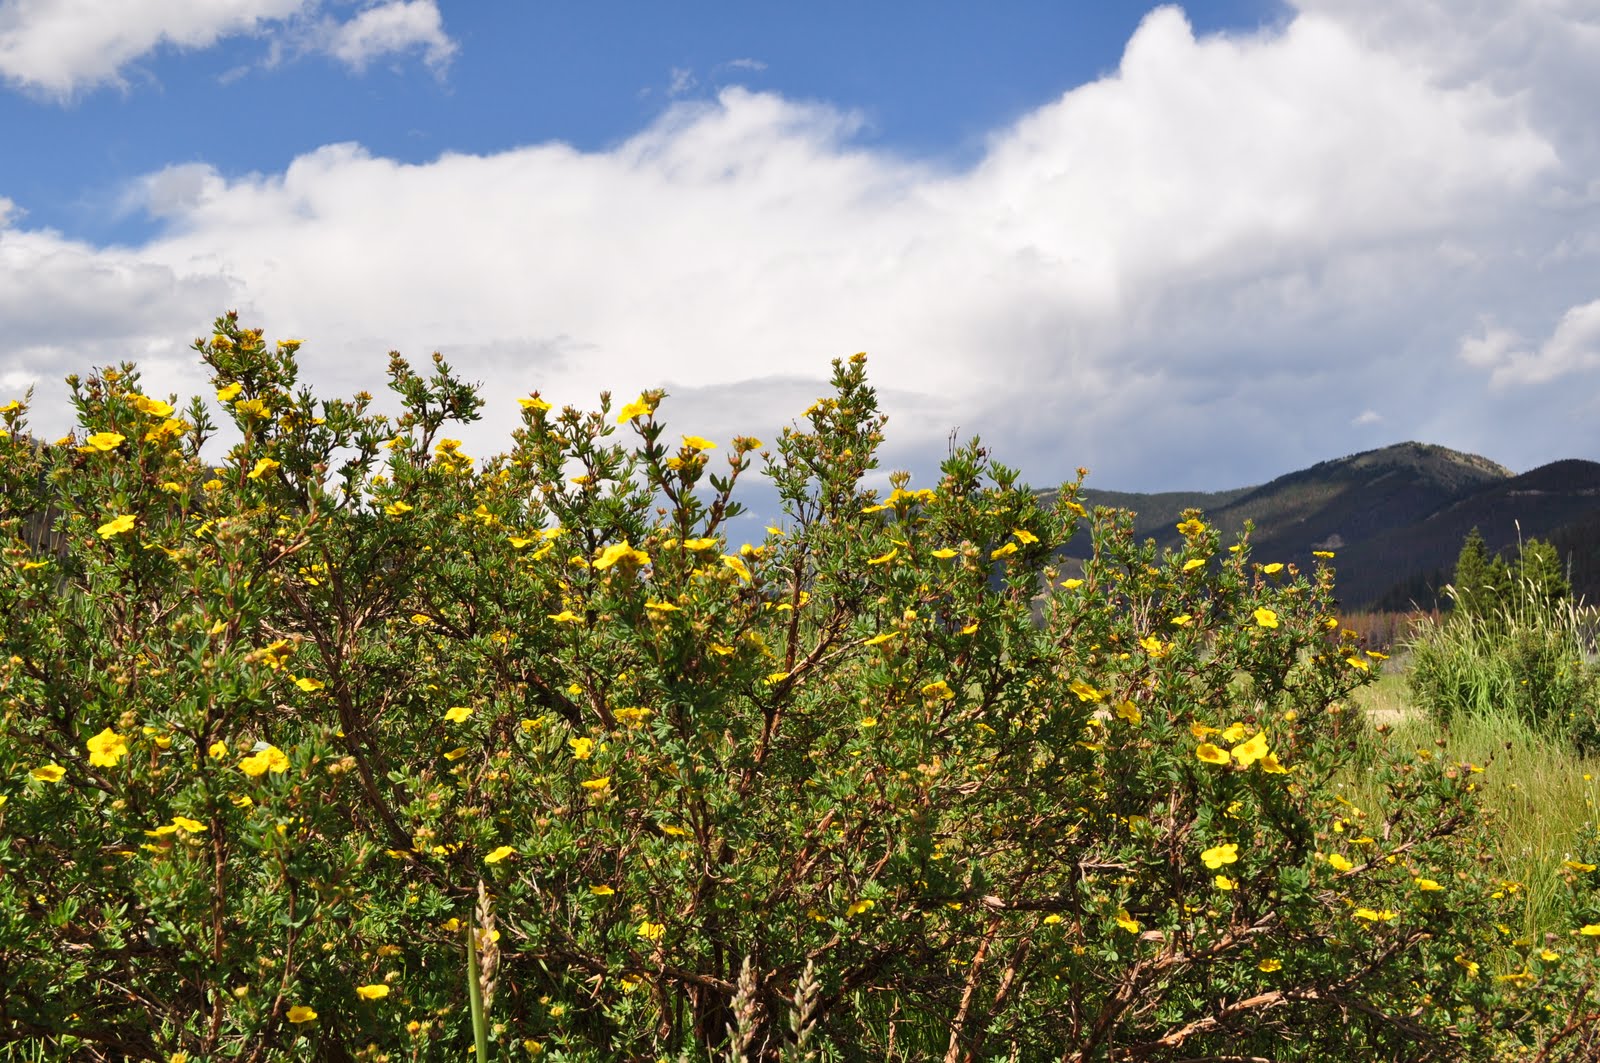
<point>285,729</point>
<point>1516,645</point>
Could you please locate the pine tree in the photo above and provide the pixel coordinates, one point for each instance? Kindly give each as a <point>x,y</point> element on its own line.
<point>1474,579</point>
<point>1541,576</point>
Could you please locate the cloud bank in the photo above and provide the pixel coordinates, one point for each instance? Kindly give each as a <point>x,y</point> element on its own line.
<point>1232,256</point>
<point>62,47</point>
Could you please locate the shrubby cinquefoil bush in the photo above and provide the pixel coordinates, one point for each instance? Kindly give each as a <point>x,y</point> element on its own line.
<point>287,723</point>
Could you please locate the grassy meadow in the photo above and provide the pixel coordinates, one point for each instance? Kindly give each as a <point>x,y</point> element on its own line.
<point>1541,795</point>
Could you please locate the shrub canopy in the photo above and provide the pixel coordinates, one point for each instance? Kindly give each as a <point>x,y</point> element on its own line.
<point>283,725</point>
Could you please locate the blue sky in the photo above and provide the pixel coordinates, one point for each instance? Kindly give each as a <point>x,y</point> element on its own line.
<point>1187,246</point>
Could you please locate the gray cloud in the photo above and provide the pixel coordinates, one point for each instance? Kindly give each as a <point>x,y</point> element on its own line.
<point>1201,270</point>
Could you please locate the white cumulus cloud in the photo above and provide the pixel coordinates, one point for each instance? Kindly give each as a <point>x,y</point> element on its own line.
<point>62,47</point>
<point>1194,271</point>
<point>397,26</point>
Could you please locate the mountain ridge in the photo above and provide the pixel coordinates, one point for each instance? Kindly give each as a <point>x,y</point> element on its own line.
<point>1395,516</point>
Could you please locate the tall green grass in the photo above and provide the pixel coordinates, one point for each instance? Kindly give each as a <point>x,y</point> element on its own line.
<point>1528,659</point>
<point>1541,796</point>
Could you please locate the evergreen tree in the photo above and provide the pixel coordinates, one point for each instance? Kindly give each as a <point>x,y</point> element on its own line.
<point>1475,578</point>
<point>1541,575</point>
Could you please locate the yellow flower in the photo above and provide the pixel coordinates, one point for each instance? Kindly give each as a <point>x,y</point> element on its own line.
<point>970,628</point>
<point>857,907</point>
<point>1592,930</point>
<point>1269,966</point>
<point>1376,917</point>
<point>269,758</point>
<point>1357,663</point>
<point>457,713</point>
<point>598,785</point>
<point>1272,569</point>
<point>774,678</point>
<point>884,559</point>
<point>499,854</point>
<point>1153,646</point>
<point>1194,563</point>
<point>1271,766</point>
<point>1127,922</point>
<point>300,1013</point>
<point>1025,537</point>
<point>1266,617</point>
<point>582,747</point>
<point>397,508</point>
<point>618,552</point>
<point>938,690</point>
<point>117,525</point>
<point>1182,620</point>
<point>566,616</point>
<point>534,403</point>
<point>1218,855</point>
<point>1005,551</point>
<point>49,773</point>
<point>1549,955</point>
<point>944,553</point>
<point>1223,882</point>
<point>1322,553</point>
<point>106,748</point>
<point>880,638</point>
<point>1072,584</point>
<point>1085,692</point>
<point>698,443</point>
<point>217,750</point>
<point>1339,863</point>
<point>263,466</point>
<point>1576,866</point>
<point>601,890</point>
<point>1233,732</point>
<point>229,393</point>
<point>738,567</point>
<point>375,991</point>
<point>1127,710</point>
<point>103,441</point>
<point>1251,751</point>
<point>1200,730</point>
<point>1427,885</point>
<point>1191,528</point>
<point>637,408</point>
<point>1211,754</point>
<point>193,826</point>
<point>308,684</point>
<point>152,407</point>
<point>650,931</point>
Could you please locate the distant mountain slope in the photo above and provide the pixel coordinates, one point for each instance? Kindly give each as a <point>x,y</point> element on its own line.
<point>1395,517</point>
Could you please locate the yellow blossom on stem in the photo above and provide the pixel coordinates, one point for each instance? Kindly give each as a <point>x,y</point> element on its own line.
<point>375,991</point>
<point>48,773</point>
<point>1339,862</point>
<point>499,854</point>
<point>117,526</point>
<point>1250,752</point>
<point>106,748</point>
<point>457,713</point>
<point>1216,856</point>
<point>1127,922</point>
<point>263,466</point>
<point>300,1014</point>
<point>582,747</point>
<point>103,441</point>
<point>1211,754</point>
<point>1266,617</point>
